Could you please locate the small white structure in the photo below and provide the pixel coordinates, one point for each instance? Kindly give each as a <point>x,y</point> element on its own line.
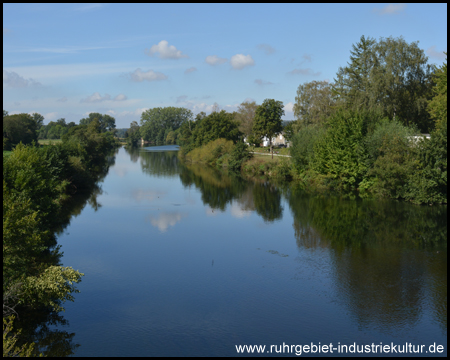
<point>415,140</point>
<point>277,140</point>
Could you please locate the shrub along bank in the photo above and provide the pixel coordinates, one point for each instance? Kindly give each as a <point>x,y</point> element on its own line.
<point>37,182</point>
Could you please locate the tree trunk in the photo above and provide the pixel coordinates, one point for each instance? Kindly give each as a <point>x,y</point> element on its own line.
<point>271,147</point>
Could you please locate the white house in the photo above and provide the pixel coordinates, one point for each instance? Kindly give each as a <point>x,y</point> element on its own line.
<point>278,140</point>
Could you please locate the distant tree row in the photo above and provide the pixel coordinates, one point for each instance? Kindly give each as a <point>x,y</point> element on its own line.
<point>27,128</point>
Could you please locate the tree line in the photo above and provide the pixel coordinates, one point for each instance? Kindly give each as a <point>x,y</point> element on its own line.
<point>38,183</point>
<point>358,134</point>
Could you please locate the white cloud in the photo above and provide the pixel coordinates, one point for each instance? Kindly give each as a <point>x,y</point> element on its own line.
<point>139,75</point>
<point>262,82</point>
<point>240,61</point>
<point>14,80</point>
<point>50,116</point>
<point>266,48</point>
<point>307,71</point>
<point>390,9</point>
<point>96,97</point>
<point>120,97</point>
<point>289,111</point>
<point>238,212</point>
<point>164,220</point>
<point>165,51</point>
<point>215,60</point>
<point>191,69</point>
<point>431,51</point>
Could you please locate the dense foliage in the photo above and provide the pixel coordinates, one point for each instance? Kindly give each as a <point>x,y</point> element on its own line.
<point>364,135</point>
<point>18,128</point>
<point>37,183</point>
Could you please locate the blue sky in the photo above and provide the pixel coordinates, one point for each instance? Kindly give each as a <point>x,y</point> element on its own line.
<point>67,60</point>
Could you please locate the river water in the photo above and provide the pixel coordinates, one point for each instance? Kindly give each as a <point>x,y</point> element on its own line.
<point>185,260</point>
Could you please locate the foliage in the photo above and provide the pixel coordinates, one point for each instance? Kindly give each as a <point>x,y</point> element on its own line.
<point>55,130</point>
<point>10,349</point>
<point>386,132</point>
<point>428,184</point>
<point>211,152</point>
<point>302,148</point>
<point>314,102</point>
<point>390,75</point>
<point>238,155</point>
<point>156,121</point>
<point>39,119</point>
<point>217,125</point>
<point>392,167</point>
<point>340,154</point>
<point>267,122</point>
<point>437,106</point>
<point>105,122</point>
<point>133,134</point>
<point>18,128</point>
<point>245,116</point>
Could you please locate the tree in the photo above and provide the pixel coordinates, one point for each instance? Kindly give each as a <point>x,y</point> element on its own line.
<point>314,102</point>
<point>106,122</point>
<point>437,106</point>
<point>39,119</point>
<point>154,122</point>
<point>132,134</point>
<point>245,115</point>
<point>267,121</point>
<point>352,87</point>
<point>18,128</point>
<point>390,76</point>
<point>5,113</point>
<point>215,126</point>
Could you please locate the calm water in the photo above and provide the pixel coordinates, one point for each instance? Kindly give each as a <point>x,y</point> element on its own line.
<point>188,261</point>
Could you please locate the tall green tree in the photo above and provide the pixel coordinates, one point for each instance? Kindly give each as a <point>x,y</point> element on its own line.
<point>219,124</point>
<point>391,76</point>
<point>133,135</point>
<point>155,121</point>
<point>437,106</point>
<point>106,122</point>
<point>314,103</point>
<point>245,116</point>
<point>39,120</point>
<point>267,121</point>
<point>352,86</point>
<point>18,128</point>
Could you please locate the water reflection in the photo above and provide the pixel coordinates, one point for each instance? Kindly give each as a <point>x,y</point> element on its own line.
<point>164,220</point>
<point>43,326</point>
<point>387,256</point>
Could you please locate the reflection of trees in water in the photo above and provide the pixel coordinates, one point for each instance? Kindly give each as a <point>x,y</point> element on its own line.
<point>38,325</point>
<point>386,255</point>
<point>217,188</point>
<point>133,152</point>
<point>267,201</point>
<point>160,164</point>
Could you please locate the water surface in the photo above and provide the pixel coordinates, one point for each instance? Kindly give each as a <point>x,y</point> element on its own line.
<point>186,260</point>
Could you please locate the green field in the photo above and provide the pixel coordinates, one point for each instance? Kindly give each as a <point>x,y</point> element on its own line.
<point>49,141</point>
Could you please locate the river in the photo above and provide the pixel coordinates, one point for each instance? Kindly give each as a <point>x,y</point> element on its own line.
<point>186,260</point>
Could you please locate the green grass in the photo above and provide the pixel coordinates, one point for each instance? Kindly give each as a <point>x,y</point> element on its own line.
<point>49,141</point>
<point>265,150</point>
<point>6,153</point>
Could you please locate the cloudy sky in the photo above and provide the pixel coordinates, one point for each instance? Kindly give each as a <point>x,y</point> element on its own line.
<point>69,60</point>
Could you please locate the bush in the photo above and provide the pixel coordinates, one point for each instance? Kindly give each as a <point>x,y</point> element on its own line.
<point>302,149</point>
<point>340,154</point>
<point>239,154</point>
<point>429,183</point>
<point>210,152</point>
